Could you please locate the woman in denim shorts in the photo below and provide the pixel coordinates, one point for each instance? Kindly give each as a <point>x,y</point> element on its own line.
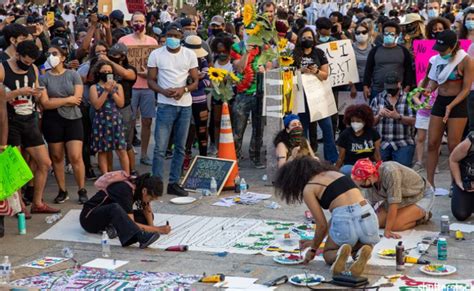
<point>353,228</point>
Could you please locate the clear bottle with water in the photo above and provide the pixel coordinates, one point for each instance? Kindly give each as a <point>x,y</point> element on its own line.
<point>105,245</point>
<point>5,271</point>
<point>243,187</point>
<point>213,186</point>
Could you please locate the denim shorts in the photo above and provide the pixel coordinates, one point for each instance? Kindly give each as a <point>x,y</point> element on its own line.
<point>353,223</point>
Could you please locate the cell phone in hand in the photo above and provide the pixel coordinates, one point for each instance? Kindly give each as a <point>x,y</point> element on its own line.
<point>389,107</point>
<point>110,77</point>
<point>41,88</point>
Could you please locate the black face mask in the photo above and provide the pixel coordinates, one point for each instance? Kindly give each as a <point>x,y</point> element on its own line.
<point>22,66</point>
<point>307,43</point>
<point>222,57</point>
<point>115,60</point>
<point>216,31</point>
<point>434,35</point>
<point>392,92</point>
<point>103,77</point>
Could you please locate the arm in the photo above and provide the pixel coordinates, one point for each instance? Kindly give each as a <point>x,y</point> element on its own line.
<point>377,155</point>
<point>409,79</point>
<point>322,73</point>
<point>97,101</point>
<point>108,33</point>
<point>151,228</point>
<point>369,68</point>
<point>118,96</point>
<point>321,223</point>
<point>126,74</point>
<point>459,153</point>
<point>281,154</point>
<point>56,102</point>
<point>87,40</point>
<point>423,83</point>
<point>153,84</point>
<point>391,217</point>
<point>342,155</point>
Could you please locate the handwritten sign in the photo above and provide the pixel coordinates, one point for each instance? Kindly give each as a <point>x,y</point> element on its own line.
<point>342,62</point>
<point>138,55</point>
<point>319,97</point>
<point>203,169</point>
<point>423,50</point>
<point>136,6</point>
<point>14,172</point>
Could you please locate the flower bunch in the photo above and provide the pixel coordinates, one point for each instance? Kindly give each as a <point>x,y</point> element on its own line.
<point>222,82</point>
<point>285,58</point>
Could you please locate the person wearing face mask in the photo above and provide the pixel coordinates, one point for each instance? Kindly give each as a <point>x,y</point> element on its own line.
<point>406,197</point>
<point>353,227</point>
<point>386,58</point>
<point>394,120</point>
<point>433,9</point>
<point>13,34</point>
<point>143,98</point>
<point>451,74</point>
<point>216,27</point>
<point>119,28</point>
<point>435,26</point>
<point>413,29</point>
<point>62,119</point>
<point>323,29</point>
<point>362,46</point>
<point>290,142</point>
<point>359,139</point>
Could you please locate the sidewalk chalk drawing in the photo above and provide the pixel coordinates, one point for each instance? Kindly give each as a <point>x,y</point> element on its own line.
<point>100,279</point>
<point>225,234</point>
<point>405,283</point>
<point>45,262</point>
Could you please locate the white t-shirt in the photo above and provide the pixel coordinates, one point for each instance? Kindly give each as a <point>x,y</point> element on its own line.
<point>173,71</point>
<point>165,16</point>
<point>70,19</point>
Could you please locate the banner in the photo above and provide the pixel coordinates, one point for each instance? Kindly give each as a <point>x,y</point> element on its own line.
<point>136,5</point>
<point>14,172</point>
<point>138,55</point>
<point>423,50</point>
<point>342,62</point>
<point>319,97</point>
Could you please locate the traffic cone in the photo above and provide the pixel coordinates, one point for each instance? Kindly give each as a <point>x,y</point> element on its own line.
<point>226,145</point>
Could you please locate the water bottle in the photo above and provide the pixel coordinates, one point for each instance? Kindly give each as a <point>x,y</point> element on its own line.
<point>237,184</point>
<point>442,249</point>
<point>105,245</point>
<point>243,186</point>
<point>5,270</point>
<point>213,187</point>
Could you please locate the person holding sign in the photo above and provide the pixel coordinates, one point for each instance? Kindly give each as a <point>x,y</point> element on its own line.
<point>452,74</point>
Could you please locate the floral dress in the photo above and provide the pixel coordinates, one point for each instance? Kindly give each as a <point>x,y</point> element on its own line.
<point>107,126</point>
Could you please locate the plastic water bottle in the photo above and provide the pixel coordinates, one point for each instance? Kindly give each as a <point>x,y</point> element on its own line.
<point>5,270</point>
<point>243,186</point>
<point>105,245</point>
<point>442,249</point>
<point>213,187</point>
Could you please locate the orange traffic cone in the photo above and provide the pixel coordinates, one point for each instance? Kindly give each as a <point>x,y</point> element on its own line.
<point>226,145</point>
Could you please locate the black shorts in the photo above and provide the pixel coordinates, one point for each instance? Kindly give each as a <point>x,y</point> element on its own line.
<point>439,107</point>
<point>23,130</point>
<point>59,129</point>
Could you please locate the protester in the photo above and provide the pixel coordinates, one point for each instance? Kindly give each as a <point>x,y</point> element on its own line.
<point>467,32</point>
<point>435,26</point>
<point>112,210</point>
<point>407,198</point>
<point>3,141</point>
<point>362,47</point>
<point>353,228</point>
<point>62,119</point>
<point>359,139</point>
<point>119,28</point>
<point>451,73</point>
<point>461,162</point>
<point>413,29</point>
<point>169,68</point>
<point>13,34</point>
<point>106,96</point>
<point>433,9</point>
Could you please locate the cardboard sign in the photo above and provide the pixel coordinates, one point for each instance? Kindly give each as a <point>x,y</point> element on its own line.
<point>136,5</point>
<point>14,172</point>
<point>203,169</point>
<point>342,62</point>
<point>138,55</point>
<point>423,50</point>
<point>105,6</point>
<point>319,97</point>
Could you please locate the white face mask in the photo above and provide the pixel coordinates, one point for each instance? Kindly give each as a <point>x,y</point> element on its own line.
<point>362,38</point>
<point>357,126</point>
<point>53,61</point>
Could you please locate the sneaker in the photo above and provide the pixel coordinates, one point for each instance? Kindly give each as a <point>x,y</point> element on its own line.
<point>258,164</point>
<point>418,167</point>
<point>44,209</point>
<point>147,238</point>
<point>68,169</point>
<point>62,197</point>
<point>339,264</point>
<point>212,150</point>
<point>175,189</point>
<point>82,196</point>
<point>362,257</point>
<point>111,231</point>
<point>146,161</point>
<point>90,175</point>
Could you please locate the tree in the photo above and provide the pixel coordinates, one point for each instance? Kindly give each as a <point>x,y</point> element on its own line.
<point>209,8</point>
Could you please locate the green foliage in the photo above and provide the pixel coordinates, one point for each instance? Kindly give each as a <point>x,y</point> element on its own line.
<point>209,8</point>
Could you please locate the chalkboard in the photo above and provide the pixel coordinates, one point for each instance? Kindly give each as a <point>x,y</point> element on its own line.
<point>203,169</point>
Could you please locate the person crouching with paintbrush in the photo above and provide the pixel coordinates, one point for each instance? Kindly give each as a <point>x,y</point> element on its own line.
<point>353,228</point>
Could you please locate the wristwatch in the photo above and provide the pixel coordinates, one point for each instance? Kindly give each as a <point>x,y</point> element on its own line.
<point>186,90</point>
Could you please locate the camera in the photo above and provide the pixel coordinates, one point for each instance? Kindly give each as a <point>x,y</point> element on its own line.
<point>103,18</point>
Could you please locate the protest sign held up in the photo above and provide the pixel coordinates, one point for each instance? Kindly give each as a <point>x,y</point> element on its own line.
<point>342,62</point>
<point>138,55</point>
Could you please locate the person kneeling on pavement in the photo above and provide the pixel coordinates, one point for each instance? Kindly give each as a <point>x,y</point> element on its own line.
<point>353,228</point>
<point>113,211</point>
<point>406,197</point>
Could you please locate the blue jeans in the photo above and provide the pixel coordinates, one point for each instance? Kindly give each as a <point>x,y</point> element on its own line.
<point>404,155</point>
<point>170,118</point>
<point>353,223</point>
<point>346,170</point>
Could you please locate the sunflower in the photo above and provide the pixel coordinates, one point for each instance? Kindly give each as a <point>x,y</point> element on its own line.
<point>234,77</point>
<point>286,61</point>
<point>255,30</point>
<point>282,44</point>
<point>217,75</point>
<point>248,14</point>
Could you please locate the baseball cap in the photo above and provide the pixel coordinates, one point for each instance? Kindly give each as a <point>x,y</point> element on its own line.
<point>59,42</point>
<point>391,80</point>
<point>174,26</point>
<point>186,22</point>
<point>445,40</point>
<point>218,20</point>
<point>118,49</point>
<point>116,14</point>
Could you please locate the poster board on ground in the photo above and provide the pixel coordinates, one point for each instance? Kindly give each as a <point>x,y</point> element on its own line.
<point>342,62</point>
<point>203,169</point>
<point>138,55</point>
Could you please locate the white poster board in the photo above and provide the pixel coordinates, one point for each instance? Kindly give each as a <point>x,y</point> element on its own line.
<point>342,62</point>
<point>122,6</point>
<point>345,100</point>
<point>319,97</point>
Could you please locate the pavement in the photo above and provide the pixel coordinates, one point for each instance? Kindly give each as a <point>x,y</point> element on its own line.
<point>23,248</point>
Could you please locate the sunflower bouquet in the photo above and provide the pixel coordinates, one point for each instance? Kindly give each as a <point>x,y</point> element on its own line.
<point>285,58</point>
<point>222,82</point>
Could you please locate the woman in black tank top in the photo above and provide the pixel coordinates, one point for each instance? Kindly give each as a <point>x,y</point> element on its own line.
<point>353,228</point>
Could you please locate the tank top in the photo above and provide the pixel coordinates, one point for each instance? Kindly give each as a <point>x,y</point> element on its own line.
<point>21,105</point>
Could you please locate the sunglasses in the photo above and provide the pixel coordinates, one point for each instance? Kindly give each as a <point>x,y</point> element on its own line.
<point>361,32</point>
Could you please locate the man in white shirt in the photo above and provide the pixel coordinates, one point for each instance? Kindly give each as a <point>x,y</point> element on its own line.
<point>166,15</point>
<point>169,68</point>
<point>69,18</point>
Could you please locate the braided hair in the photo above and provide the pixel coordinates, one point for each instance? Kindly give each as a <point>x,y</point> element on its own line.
<point>154,187</point>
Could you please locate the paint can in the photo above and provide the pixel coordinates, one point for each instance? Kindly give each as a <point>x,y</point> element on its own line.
<point>442,249</point>
<point>400,256</point>
<point>21,223</point>
<point>444,225</point>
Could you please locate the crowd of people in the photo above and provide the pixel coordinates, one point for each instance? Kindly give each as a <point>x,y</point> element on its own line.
<point>69,93</point>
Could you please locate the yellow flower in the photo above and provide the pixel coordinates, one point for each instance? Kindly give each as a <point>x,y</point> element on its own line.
<point>248,14</point>
<point>217,75</point>
<point>282,44</point>
<point>234,77</point>
<point>286,61</point>
<point>255,30</point>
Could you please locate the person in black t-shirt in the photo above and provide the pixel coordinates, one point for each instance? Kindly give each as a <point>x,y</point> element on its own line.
<point>359,140</point>
<point>113,211</point>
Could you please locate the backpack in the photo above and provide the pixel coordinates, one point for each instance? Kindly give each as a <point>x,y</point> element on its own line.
<point>113,177</point>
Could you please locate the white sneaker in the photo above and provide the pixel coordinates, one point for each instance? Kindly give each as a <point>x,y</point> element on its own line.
<point>68,169</point>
